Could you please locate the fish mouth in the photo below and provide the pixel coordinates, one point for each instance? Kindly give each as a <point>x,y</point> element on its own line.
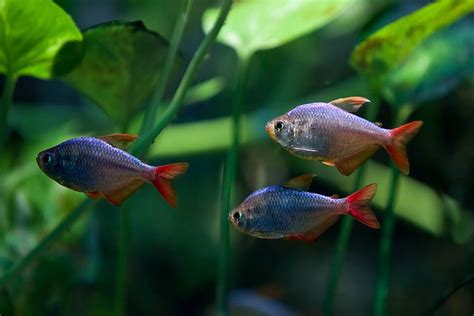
<point>270,130</point>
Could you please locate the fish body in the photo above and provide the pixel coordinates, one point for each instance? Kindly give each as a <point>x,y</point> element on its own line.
<point>287,212</point>
<point>99,168</point>
<point>330,133</point>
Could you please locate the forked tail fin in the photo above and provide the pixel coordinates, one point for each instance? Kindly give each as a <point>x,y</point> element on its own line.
<point>164,175</point>
<point>400,137</point>
<point>358,206</point>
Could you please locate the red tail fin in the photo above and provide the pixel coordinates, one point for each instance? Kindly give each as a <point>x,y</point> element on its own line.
<point>358,206</point>
<point>400,137</point>
<point>164,175</point>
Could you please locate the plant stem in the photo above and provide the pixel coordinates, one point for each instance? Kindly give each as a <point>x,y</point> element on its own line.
<point>345,233</point>
<point>62,227</point>
<point>141,144</point>
<point>381,290</point>
<point>230,168</point>
<point>122,264</point>
<point>8,89</point>
<point>447,294</point>
<point>150,114</point>
<point>341,250</point>
<point>383,271</point>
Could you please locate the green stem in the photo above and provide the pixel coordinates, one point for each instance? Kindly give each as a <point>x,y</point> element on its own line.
<point>62,227</point>
<point>150,114</point>
<point>448,293</point>
<point>141,144</point>
<point>345,233</point>
<point>383,271</point>
<point>230,168</point>
<point>122,264</point>
<point>8,89</point>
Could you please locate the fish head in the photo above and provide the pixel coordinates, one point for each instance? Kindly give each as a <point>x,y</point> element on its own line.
<point>49,162</point>
<point>240,218</point>
<point>281,130</point>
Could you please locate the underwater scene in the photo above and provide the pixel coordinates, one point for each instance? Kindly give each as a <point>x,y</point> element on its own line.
<point>246,157</point>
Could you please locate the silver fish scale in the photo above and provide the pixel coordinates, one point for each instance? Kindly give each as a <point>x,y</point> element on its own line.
<point>281,211</point>
<point>89,164</point>
<point>324,131</point>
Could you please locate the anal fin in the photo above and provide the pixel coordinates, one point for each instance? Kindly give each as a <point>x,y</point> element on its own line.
<point>118,196</point>
<point>313,234</point>
<point>347,165</point>
<point>94,195</point>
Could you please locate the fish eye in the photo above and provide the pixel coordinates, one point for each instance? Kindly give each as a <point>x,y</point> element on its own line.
<point>47,158</point>
<point>279,125</point>
<point>237,215</point>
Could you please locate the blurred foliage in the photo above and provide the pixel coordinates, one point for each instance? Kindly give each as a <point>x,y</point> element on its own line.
<point>120,68</point>
<point>32,33</point>
<point>415,57</point>
<point>263,24</point>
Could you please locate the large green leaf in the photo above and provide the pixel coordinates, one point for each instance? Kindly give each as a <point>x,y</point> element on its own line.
<point>254,25</point>
<point>120,68</point>
<point>32,33</point>
<point>384,50</point>
<point>434,67</point>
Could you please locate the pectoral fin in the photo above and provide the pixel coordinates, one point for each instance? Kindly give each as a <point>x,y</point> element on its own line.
<point>301,182</point>
<point>118,196</point>
<point>119,140</point>
<point>347,165</point>
<point>314,234</point>
<point>350,104</point>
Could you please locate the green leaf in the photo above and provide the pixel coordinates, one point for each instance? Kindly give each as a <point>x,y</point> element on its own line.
<point>120,68</point>
<point>254,25</point>
<point>384,50</point>
<point>434,67</point>
<point>37,38</point>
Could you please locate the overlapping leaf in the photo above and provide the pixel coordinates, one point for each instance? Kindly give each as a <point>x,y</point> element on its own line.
<point>120,68</point>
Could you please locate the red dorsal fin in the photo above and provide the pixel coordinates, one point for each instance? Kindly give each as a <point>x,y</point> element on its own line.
<point>301,182</point>
<point>118,196</point>
<point>350,104</point>
<point>118,140</point>
<point>347,165</point>
<point>314,233</point>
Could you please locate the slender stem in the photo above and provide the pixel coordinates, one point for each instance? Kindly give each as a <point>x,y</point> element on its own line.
<point>383,271</point>
<point>122,265</point>
<point>228,181</point>
<point>62,227</point>
<point>388,226</point>
<point>8,89</point>
<point>147,139</point>
<point>345,233</point>
<point>150,114</point>
<point>449,292</point>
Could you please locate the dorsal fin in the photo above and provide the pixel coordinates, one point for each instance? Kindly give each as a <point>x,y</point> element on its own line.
<point>301,182</point>
<point>335,196</point>
<point>350,104</point>
<point>379,124</point>
<point>118,140</point>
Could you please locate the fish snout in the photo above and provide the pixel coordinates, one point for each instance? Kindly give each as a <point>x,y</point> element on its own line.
<point>270,130</point>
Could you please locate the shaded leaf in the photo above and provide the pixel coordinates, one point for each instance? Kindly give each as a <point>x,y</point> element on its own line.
<point>254,25</point>
<point>433,68</point>
<point>120,68</point>
<point>384,50</point>
<point>32,34</point>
